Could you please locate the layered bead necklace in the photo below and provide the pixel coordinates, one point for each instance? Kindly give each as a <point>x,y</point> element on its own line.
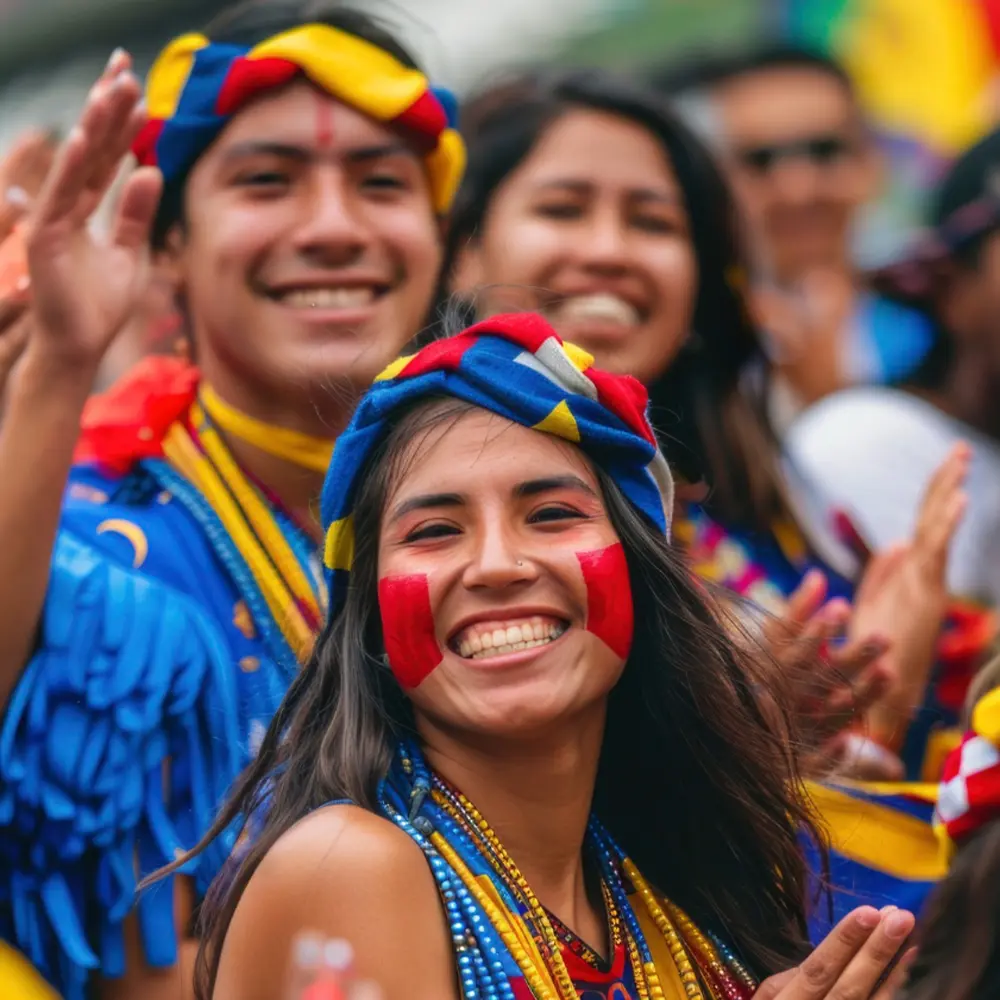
<point>462,849</point>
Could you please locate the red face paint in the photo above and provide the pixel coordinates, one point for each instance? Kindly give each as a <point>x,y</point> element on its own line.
<point>324,124</point>
<point>610,615</point>
<point>408,628</point>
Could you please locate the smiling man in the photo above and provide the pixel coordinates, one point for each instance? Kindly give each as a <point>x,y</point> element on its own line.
<point>305,165</point>
<point>803,164</point>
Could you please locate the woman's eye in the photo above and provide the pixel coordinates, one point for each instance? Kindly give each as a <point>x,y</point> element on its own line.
<point>657,224</point>
<point>547,514</point>
<point>560,211</point>
<point>428,531</point>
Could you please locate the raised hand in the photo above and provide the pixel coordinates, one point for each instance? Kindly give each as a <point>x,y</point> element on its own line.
<point>84,288</point>
<point>854,960</point>
<point>904,595</point>
<point>828,685</point>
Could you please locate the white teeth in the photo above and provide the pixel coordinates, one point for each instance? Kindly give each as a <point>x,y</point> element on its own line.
<point>329,298</point>
<point>602,306</point>
<point>480,646</point>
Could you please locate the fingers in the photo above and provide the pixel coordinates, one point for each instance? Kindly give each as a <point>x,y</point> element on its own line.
<point>137,208</point>
<point>896,980</point>
<point>853,957</point>
<point>771,988</point>
<point>871,963</point>
<point>807,598</point>
<point>863,677</point>
<point>943,506</point>
<point>86,163</point>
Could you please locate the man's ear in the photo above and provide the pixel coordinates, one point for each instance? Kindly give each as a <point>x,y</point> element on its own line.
<point>170,259</point>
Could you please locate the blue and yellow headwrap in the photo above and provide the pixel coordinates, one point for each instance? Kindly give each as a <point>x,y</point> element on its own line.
<point>518,367</point>
<point>196,86</point>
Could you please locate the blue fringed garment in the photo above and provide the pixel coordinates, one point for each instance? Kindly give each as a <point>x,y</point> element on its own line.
<point>157,671</point>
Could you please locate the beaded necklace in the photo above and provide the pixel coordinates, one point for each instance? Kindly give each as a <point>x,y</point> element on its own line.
<point>495,933</point>
<point>294,597</point>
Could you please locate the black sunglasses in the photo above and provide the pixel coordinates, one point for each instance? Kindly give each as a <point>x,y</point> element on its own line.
<point>821,151</point>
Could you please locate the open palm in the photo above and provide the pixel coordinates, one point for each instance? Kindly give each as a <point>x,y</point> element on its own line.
<point>84,287</point>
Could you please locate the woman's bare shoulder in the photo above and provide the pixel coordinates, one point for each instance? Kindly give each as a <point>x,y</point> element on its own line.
<point>348,873</point>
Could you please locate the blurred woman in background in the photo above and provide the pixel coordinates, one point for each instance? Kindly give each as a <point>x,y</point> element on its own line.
<point>590,201</point>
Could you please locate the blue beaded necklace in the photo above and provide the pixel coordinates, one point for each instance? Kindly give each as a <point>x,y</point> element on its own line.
<point>490,960</point>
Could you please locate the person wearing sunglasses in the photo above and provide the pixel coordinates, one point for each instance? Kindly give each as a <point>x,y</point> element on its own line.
<point>803,164</point>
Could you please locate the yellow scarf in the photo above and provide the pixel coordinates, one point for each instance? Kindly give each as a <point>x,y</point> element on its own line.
<point>197,451</point>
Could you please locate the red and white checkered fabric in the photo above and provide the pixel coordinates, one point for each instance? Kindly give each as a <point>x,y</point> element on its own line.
<point>969,793</point>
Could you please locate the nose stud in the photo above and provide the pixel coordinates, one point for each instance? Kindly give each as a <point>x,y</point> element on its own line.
<point>520,563</point>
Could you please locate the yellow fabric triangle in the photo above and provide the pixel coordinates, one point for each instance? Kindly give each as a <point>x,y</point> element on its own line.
<point>339,553</point>
<point>561,423</point>
<point>392,370</point>
<point>580,358</point>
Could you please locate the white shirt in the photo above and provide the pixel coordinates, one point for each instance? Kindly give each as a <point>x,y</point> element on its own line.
<point>871,452</point>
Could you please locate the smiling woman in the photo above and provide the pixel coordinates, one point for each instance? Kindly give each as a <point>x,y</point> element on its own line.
<point>590,802</point>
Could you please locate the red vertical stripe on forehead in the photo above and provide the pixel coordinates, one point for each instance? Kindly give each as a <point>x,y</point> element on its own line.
<point>408,628</point>
<point>610,615</point>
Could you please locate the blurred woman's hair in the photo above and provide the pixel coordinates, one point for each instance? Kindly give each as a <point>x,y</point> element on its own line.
<point>958,936</point>
<point>695,780</point>
<point>711,419</point>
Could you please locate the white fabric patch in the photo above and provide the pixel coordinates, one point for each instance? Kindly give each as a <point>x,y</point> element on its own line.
<point>551,361</point>
<point>978,755</point>
<point>953,800</point>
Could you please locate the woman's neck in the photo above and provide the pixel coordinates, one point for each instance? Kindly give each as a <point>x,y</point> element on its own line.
<point>536,795</point>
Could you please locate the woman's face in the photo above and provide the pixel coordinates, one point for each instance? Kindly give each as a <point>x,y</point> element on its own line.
<point>592,229</point>
<point>503,591</point>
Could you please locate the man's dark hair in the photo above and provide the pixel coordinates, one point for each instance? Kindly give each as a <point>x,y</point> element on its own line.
<point>254,21</point>
<point>707,70</point>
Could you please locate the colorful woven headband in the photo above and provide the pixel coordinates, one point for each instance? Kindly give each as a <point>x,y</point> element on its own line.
<point>515,366</point>
<point>196,86</point>
<point>969,796</point>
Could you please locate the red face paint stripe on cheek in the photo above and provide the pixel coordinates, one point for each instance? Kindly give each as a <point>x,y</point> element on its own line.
<point>610,615</point>
<point>408,628</point>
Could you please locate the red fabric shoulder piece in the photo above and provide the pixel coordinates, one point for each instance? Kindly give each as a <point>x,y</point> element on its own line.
<point>129,421</point>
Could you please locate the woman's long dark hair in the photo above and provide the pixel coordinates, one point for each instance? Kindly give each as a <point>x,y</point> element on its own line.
<point>711,425</point>
<point>695,781</point>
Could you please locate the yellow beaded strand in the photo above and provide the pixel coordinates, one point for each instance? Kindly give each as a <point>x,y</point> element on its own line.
<point>564,981</point>
<point>678,952</point>
<point>496,917</point>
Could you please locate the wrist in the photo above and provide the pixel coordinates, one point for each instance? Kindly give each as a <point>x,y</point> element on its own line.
<point>44,373</point>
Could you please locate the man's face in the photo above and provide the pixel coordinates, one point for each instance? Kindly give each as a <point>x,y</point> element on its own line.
<point>801,164</point>
<point>309,255</point>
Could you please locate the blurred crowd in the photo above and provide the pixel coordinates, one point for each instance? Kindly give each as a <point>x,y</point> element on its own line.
<point>330,402</point>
